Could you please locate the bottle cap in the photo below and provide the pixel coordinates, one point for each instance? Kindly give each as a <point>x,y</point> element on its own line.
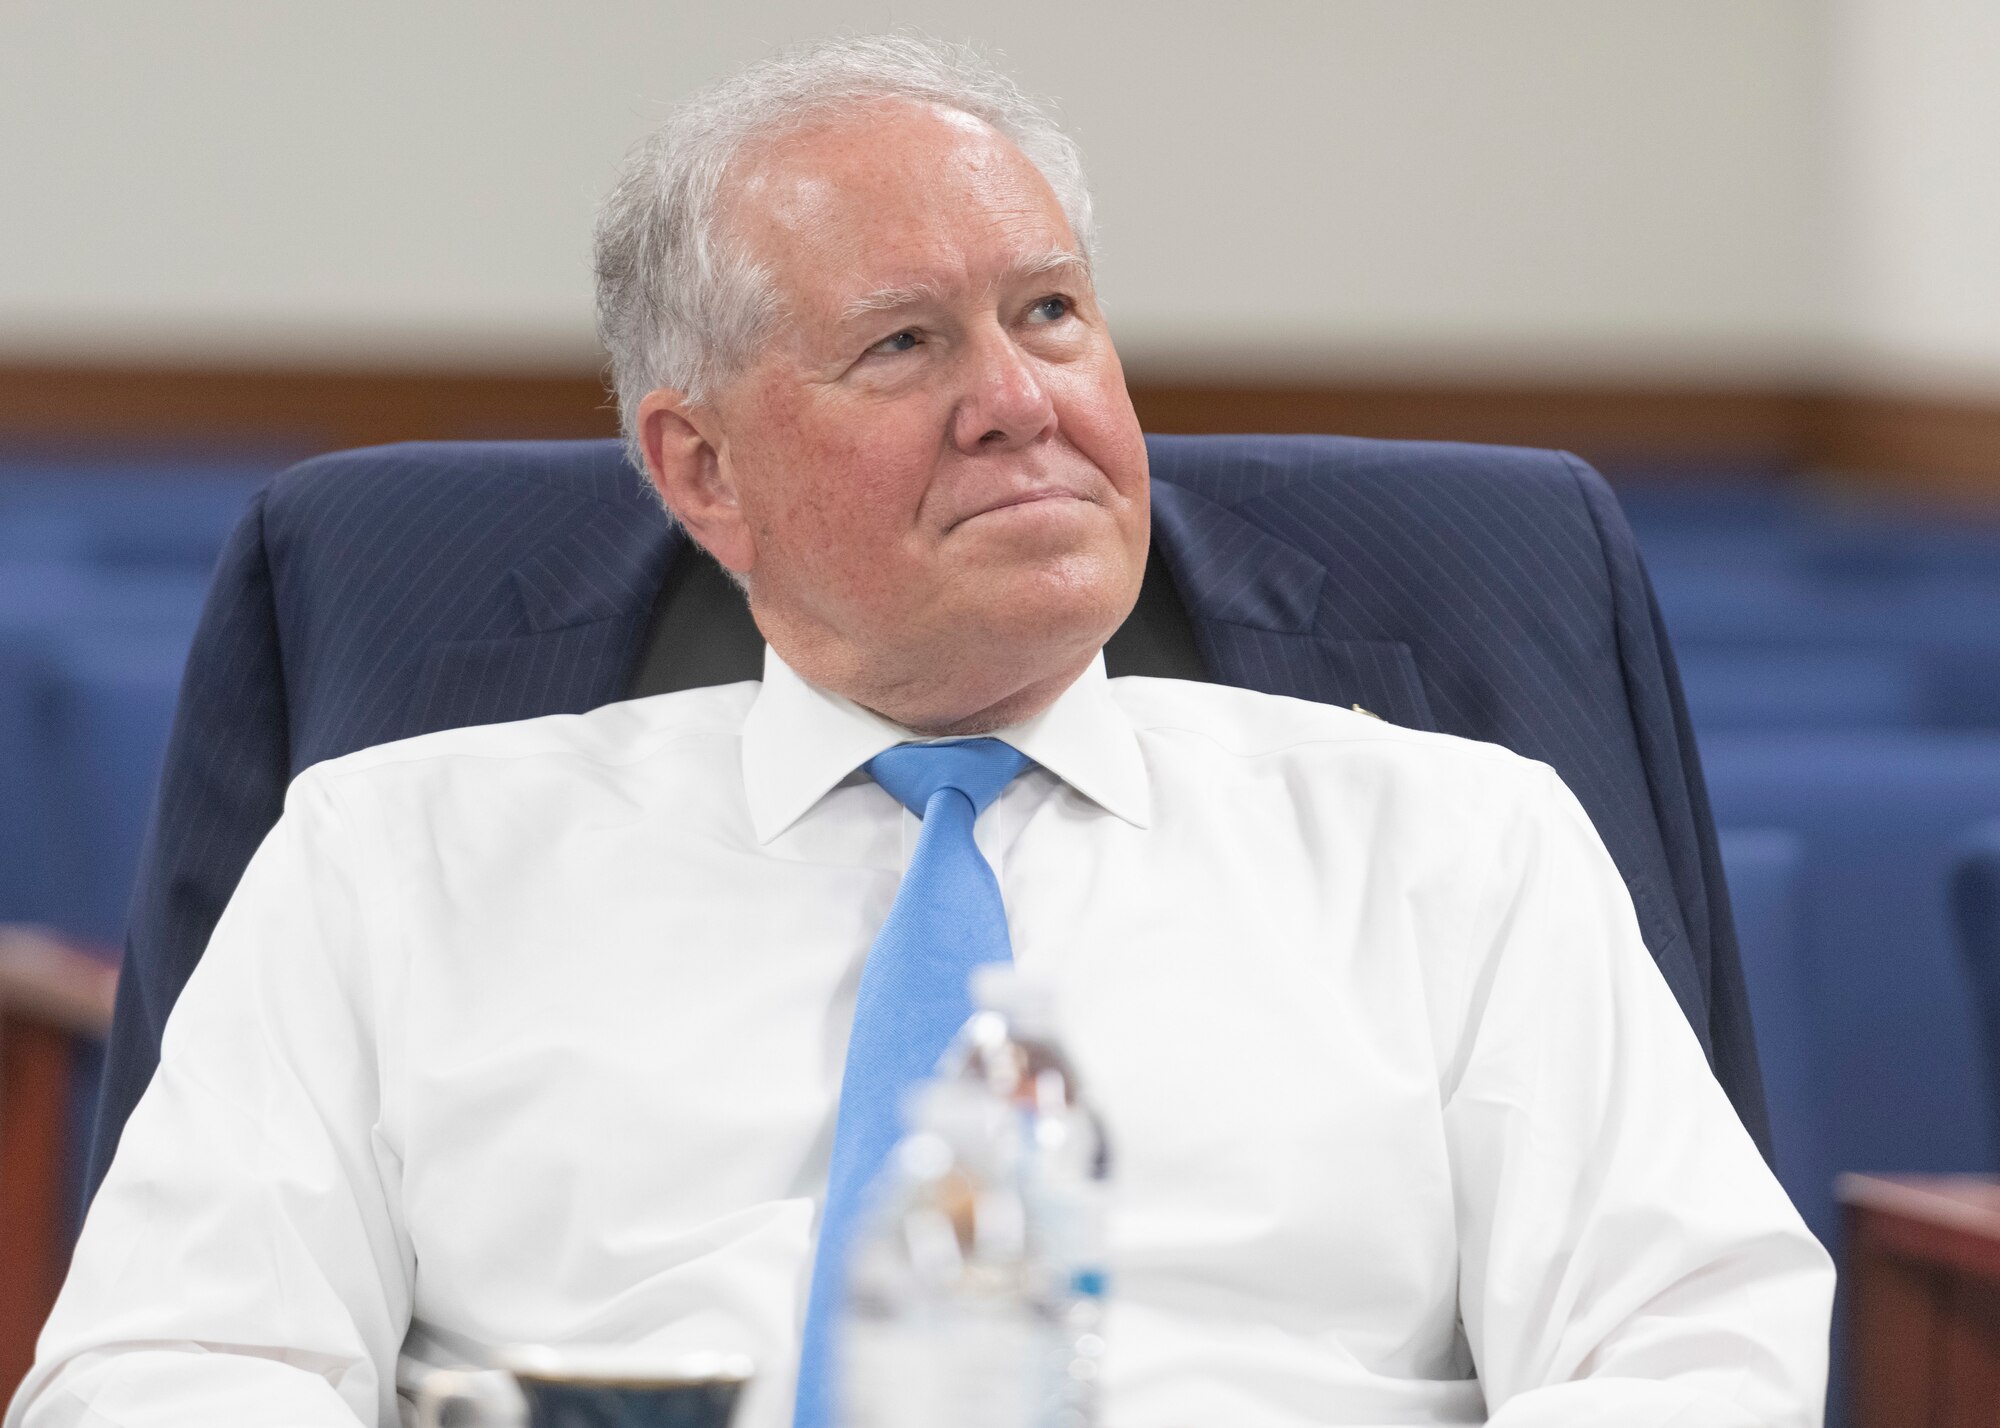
<point>965,1115</point>
<point>1028,1002</point>
<point>945,1105</point>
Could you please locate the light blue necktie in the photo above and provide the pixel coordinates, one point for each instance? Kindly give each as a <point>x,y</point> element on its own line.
<point>946,920</point>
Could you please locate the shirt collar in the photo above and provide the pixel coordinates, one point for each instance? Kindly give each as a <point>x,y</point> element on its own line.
<point>799,741</point>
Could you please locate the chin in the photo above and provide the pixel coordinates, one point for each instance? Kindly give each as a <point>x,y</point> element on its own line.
<point>1052,617</point>
<point>1092,584</point>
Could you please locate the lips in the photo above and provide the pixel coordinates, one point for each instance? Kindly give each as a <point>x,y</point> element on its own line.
<point>1028,498</point>
<point>1016,499</point>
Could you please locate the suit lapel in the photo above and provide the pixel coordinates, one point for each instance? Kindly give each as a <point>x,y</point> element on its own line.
<point>1258,603</point>
<point>577,609</point>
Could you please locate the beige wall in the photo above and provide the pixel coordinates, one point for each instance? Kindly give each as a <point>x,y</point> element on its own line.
<point>1288,187</point>
<point>1916,137</point>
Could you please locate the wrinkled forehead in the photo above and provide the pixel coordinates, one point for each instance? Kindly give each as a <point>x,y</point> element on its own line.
<point>889,193</point>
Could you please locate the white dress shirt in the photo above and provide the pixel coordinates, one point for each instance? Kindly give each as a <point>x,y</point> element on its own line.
<point>533,1033</point>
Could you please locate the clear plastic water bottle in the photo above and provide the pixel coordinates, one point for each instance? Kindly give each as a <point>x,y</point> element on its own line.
<point>950,1321</point>
<point>1012,1049</point>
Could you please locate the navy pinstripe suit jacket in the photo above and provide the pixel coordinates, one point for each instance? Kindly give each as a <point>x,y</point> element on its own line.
<point>1484,591</point>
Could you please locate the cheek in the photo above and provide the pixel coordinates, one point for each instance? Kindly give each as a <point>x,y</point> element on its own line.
<point>844,490</point>
<point>1094,409</point>
<point>886,465</point>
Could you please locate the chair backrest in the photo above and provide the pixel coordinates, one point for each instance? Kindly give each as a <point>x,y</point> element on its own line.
<point>1975,912</point>
<point>1490,592</point>
<point>1765,868</point>
<point>1887,1000</point>
<point>1781,687</point>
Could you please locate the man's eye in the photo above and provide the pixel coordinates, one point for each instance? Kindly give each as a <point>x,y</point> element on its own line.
<point>1050,309</point>
<point>902,341</point>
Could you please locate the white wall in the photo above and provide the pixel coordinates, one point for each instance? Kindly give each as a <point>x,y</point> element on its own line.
<point>1916,137</point>
<point>1288,187</point>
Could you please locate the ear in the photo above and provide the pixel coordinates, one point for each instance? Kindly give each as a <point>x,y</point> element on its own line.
<point>687,463</point>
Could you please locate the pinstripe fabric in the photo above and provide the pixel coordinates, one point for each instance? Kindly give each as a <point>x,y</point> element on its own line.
<point>1489,592</point>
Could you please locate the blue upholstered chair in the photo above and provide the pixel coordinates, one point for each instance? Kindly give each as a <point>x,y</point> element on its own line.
<point>1975,910</point>
<point>1887,998</point>
<point>151,514</point>
<point>1490,592</point>
<point>28,854</point>
<point>1765,868</point>
<point>90,659</point>
<point>1788,688</point>
<point>114,696</point>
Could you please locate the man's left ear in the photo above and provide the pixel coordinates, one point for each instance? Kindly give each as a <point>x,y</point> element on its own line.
<point>684,460</point>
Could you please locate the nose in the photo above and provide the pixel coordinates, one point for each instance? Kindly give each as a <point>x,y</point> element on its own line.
<point>1005,404</point>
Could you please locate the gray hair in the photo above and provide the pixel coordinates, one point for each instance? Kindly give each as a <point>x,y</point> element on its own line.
<point>680,303</point>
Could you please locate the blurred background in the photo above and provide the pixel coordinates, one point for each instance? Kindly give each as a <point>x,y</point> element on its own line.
<point>1745,257</point>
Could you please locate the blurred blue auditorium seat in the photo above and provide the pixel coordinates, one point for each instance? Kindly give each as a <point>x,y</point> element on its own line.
<point>1771,647</point>
<point>1755,605</point>
<point>115,694</point>
<point>85,649</point>
<point>31,849</point>
<point>129,513</point>
<point>58,598</point>
<point>1667,496</point>
<point>103,571</point>
<point>104,564</point>
<point>1888,540</point>
<point>1764,868</point>
<point>1764,605</point>
<point>1975,907</point>
<point>1790,688</point>
<point>1887,999</point>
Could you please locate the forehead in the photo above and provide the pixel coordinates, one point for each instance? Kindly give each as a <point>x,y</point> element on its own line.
<point>891,192</point>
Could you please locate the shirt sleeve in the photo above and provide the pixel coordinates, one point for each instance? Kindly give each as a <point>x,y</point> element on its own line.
<point>244,1261</point>
<point>1625,1254</point>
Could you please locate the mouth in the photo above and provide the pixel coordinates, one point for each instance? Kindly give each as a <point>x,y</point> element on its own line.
<point>1048,497</point>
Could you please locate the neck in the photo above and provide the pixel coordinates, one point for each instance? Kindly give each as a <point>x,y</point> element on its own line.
<point>951,693</point>
<point>1022,703</point>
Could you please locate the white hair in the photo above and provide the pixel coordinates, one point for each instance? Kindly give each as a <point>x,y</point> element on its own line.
<point>680,303</point>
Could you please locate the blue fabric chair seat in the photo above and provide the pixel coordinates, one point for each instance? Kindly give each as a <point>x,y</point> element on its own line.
<point>85,654</point>
<point>1975,907</point>
<point>1791,688</point>
<point>124,514</point>
<point>1776,606</point>
<point>115,696</point>
<point>32,850</point>
<point>1765,868</point>
<point>61,597</point>
<point>1887,1000</point>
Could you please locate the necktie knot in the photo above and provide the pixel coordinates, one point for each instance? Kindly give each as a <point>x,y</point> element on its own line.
<point>978,768</point>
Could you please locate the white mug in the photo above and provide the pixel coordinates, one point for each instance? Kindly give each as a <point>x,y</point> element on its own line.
<point>572,1388</point>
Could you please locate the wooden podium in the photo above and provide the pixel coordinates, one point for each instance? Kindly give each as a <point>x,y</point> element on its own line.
<point>1923,1266</point>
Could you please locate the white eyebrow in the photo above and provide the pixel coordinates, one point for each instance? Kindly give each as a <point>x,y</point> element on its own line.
<point>1056,260</point>
<point>888,300</point>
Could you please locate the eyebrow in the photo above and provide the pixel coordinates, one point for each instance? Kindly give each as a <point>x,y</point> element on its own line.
<point>1056,260</point>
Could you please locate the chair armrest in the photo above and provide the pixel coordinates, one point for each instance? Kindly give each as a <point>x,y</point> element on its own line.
<point>53,994</point>
<point>50,982</point>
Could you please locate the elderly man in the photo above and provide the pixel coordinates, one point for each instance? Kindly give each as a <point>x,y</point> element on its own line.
<point>549,1032</point>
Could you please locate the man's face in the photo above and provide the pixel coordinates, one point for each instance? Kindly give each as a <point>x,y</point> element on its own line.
<point>941,482</point>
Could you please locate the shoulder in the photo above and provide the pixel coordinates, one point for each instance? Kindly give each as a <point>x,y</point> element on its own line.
<point>689,724</point>
<point>1249,724</point>
<point>1450,794</point>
